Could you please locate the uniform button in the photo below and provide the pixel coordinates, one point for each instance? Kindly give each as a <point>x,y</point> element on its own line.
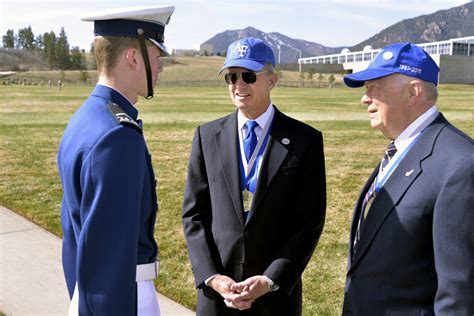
<point>241,264</point>
<point>351,275</point>
<point>246,233</point>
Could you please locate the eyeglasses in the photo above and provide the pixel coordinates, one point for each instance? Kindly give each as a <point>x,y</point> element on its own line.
<point>247,77</point>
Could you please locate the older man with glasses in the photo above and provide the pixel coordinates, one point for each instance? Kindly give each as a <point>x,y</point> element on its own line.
<point>255,197</point>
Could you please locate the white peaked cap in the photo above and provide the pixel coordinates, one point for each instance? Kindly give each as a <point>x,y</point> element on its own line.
<point>126,22</point>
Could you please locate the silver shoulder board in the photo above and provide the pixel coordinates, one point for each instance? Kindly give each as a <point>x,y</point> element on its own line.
<point>122,117</point>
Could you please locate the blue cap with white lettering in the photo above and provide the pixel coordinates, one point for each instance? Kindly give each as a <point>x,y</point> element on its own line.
<point>249,53</point>
<point>403,58</point>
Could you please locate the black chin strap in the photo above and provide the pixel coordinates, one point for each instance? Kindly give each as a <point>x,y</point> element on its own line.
<point>146,60</point>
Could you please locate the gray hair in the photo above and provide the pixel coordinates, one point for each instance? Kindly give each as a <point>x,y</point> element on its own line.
<point>431,91</point>
<point>269,67</point>
<point>429,88</point>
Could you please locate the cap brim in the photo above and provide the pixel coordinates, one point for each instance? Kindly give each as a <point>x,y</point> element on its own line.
<point>242,63</point>
<point>357,80</point>
<point>147,13</point>
<point>162,47</point>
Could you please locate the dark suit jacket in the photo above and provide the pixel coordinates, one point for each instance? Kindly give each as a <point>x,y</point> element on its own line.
<point>415,255</point>
<point>285,220</point>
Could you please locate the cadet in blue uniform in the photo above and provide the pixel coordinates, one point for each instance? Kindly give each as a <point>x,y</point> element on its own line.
<point>109,205</point>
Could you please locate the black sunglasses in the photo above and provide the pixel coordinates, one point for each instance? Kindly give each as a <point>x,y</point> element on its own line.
<point>247,77</point>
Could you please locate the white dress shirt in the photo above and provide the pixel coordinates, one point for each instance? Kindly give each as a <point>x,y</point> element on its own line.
<point>409,134</point>
<point>262,121</point>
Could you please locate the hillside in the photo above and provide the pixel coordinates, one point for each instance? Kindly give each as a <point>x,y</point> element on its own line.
<point>287,49</point>
<point>438,26</point>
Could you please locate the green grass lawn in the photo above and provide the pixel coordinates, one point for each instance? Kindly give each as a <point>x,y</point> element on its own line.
<point>32,120</point>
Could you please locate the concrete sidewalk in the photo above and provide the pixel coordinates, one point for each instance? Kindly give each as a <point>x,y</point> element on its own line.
<point>31,275</point>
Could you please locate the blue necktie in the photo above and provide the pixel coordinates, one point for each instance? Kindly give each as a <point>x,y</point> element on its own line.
<point>250,141</point>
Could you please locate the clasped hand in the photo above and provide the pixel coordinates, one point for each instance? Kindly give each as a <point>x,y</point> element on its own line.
<point>240,295</point>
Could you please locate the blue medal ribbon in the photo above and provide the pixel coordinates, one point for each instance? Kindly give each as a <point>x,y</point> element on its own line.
<point>249,181</point>
<point>381,183</point>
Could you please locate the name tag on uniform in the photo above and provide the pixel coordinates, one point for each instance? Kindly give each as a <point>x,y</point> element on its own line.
<point>247,198</point>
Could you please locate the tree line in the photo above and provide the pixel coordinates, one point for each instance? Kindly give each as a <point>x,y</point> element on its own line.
<point>54,48</point>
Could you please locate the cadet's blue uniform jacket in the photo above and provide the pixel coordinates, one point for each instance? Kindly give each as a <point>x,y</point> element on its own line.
<point>109,205</point>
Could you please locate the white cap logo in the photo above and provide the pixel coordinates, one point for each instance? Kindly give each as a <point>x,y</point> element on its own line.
<point>242,49</point>
<point>387,55</point>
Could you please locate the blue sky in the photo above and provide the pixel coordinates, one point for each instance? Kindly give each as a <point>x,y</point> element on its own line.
<point>328,22</point>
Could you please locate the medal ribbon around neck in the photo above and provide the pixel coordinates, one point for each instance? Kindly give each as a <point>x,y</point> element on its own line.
<point>261,141</point>
<point>380,183</point>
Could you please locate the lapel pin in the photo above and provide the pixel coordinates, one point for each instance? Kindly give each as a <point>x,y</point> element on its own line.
<point>408,173</point>
<point>285,141</point>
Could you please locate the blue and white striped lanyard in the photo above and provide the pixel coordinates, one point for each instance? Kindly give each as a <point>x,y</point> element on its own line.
<point>261,144</point>
<point>381,183</point>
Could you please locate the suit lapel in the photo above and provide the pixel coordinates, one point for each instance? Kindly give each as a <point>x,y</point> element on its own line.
<point>398,183</point>
<point>226,143</point>
<point>275,154</point>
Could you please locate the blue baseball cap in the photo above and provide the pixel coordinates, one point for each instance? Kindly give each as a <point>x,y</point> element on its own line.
<point>249,53</point>
<point>402,58</point>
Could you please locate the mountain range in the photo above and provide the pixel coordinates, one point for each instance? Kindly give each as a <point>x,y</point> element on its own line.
<point>438,26</point>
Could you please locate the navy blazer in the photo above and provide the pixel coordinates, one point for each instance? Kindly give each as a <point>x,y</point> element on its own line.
<point>284,224</point>
<point>109,205</point>
<point>416,252</point>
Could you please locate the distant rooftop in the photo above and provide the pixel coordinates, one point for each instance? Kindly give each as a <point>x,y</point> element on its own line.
<point>455,46</point>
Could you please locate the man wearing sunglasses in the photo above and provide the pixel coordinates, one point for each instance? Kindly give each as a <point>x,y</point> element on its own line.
<point>255,197</point>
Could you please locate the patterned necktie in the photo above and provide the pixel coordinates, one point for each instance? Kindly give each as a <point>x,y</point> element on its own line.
<point>370,195</point>
<point>250,141</point>
<point>389,152</point>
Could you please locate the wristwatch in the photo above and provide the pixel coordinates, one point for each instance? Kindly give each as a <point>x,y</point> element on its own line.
<point>272,286</point>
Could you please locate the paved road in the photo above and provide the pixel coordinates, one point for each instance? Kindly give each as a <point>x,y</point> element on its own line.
<point>31,276</point>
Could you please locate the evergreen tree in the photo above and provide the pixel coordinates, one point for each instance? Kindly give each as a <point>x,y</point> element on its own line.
<point>9,39</point>
<point>26,38</point>
<point>54,48</point>
<point>40,42</point>
<point>49,40</point>
<point>78,58</point>
<point>62,51</point>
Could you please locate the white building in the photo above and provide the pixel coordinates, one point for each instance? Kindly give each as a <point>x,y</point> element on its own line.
<point>206,49</point>
<point>455,58</point>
